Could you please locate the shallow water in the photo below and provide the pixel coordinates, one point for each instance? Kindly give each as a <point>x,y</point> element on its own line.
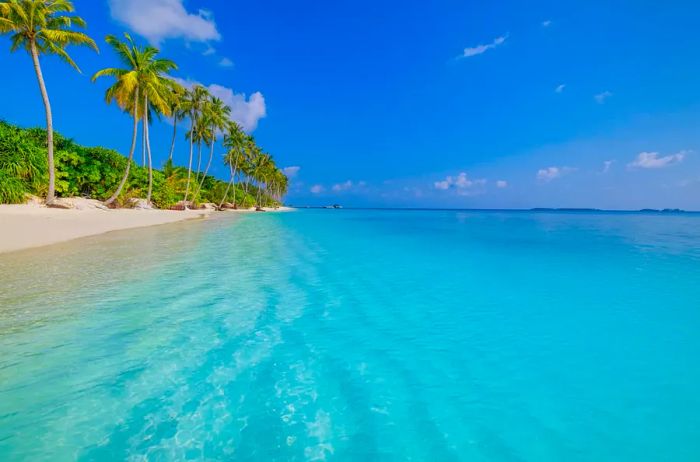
<point>358,335</point>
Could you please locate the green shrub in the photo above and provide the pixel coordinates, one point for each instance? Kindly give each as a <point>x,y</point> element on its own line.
<point>12,189</point>
<point>94,172</point>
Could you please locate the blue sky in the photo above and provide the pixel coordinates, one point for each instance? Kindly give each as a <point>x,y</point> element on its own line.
<point>427,104</point>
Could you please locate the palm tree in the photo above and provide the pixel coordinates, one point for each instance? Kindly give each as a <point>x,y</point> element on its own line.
<point>193,105</point>
<point>234,141</point>
<point>140,85</point>
<point>216,119</point>
<point>262,164</point>
<point>176,99</point>
<point>251,150</point>
<point>278,184</point>
<point>44,27</point>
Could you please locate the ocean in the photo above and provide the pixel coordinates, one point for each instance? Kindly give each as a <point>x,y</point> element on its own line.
<point>346,335</point>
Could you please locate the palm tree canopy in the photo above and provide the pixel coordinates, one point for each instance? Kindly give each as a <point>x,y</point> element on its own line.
<point>234,142</point>
<point>142,71</point>
<point>45,24</point>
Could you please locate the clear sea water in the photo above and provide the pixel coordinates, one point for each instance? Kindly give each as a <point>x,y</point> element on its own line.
<point>358,336</point>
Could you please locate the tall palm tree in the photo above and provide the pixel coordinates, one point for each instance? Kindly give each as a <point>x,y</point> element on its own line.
<point>44,27</point>
<point>216,118</point>
<point>234,141</point>
<point>262,164</point>
<point>141,84</point>
<point>248,165</point>
<point>176,110</point>
<point>193,105</point>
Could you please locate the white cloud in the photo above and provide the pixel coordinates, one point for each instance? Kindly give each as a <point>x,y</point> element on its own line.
<point>560,88</point>
<point>547,23</point>
<point>607,165</point>
<point>443,185</point>
<point>502,184</point>
<point>158,20</point>
<point>552,173</point>
<point>462,184</point>
<point>291,171</point>
<point>342,186</point>
<point>601,97</point>
<point>225,62</point>
<point>652,160</point>
<point>479,49</point>
<point>209,51</point>
<point>317,189</point>
<point>247,112</point>
<point>348,185</point>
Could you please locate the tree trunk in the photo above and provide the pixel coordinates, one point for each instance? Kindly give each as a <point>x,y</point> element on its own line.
<point>206,170</point>
<point>233,169</point>
<point>143,143</point>
<point>189,168</point>
<point>148,151</point>
<point>233,179</point>
<point>228,186</point>
<point>199,161</point>
<point>51,194</point>
<point>131,151</point>
<point>172,145</point>
<point>245,189</point>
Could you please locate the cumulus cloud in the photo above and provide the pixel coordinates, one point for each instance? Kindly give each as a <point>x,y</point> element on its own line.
<point>552,173</point>
<point>317,189</point>
<point>652,160</point>
<point>225,62</point>
<point>479,49</point>
<point>291,171</point>
<point>158,20</point>
<point>461,183</point>
<point>246,111</point>
<point>601,97</point>
<point>560,88</point>
<point>502,184</point>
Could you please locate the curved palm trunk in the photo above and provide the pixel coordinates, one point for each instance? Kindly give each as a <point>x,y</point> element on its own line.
<point>206,170</point>
<point>131,152</point>
<point>189,167</point>
<point>148,151</point>
<point>228,186</point>
<point>235,206</point>
<point>233,169</point>
<point>172,144</point>
<point>51,194</point>
<point>199,162</point>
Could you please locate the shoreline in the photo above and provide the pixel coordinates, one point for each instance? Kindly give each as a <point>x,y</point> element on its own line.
<point>28,226</point>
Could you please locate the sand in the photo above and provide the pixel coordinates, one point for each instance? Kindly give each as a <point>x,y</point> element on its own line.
<point>27,226</point>
<point>33,225</point>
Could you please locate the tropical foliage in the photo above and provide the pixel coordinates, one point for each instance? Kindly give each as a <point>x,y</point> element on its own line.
<point>44,27</point>
<point>94,172</point>
<point>35,162</point>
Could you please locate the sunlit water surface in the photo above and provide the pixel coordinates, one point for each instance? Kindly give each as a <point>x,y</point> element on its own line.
<point>358,335</point>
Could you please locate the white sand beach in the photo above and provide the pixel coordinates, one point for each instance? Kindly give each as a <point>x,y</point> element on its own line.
<point>32,225</point>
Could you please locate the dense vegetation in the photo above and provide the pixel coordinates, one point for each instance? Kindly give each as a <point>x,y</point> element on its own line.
<point>94,172</point>
<point>37,162</point>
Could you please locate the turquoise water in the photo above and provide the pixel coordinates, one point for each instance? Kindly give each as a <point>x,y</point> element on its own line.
<point>358,335</point>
